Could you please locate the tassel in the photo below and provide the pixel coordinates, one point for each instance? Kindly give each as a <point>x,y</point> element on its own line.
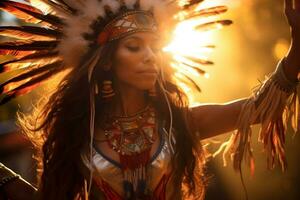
<point>273,107</point>
<point>134,170</point>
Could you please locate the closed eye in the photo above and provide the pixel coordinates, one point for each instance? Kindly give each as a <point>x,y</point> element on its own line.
<point>133,48</point>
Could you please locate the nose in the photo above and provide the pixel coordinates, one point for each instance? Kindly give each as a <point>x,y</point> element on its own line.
<point>150,56</point>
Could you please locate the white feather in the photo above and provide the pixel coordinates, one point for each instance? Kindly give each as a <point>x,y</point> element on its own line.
<point>113,5</point>
<point>72,50</point>
<point>73,46</point>
<point>130,3</point>
<point>146,4</point>
<point>93,9</point>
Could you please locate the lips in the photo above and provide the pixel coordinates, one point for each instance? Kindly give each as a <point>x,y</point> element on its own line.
<point>149,71</point>
<point>148,74</point>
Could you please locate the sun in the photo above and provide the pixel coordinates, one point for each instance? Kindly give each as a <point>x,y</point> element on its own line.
<point>192,44</point>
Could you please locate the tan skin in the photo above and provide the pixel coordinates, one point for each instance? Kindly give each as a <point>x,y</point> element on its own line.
<point>135,69</point>
<point>132,80</point>
<point>227,114</point>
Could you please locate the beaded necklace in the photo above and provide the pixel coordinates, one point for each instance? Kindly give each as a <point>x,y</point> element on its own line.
<point>132,138</point>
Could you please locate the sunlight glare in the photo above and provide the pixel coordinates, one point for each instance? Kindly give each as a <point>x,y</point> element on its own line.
<point>189,42</point>
<point>207,75</point>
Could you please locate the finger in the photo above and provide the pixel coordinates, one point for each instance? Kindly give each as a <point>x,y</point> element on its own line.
<point>288,6</point>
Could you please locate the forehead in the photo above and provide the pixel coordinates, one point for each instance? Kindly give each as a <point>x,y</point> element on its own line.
<point>146,37</point>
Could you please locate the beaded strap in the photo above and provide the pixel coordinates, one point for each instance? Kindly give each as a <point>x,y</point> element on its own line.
<point>282,81</point>
<point>7,175</point>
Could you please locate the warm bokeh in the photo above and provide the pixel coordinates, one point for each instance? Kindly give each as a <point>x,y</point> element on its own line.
<point>245,53</point>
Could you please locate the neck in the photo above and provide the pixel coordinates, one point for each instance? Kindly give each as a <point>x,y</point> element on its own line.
<point>130,101</point>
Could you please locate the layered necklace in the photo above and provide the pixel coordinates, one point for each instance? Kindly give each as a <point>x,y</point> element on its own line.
<point>132,138</point>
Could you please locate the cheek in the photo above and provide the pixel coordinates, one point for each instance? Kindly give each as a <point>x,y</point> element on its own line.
<point>127,67</point>
<point>136,80</point>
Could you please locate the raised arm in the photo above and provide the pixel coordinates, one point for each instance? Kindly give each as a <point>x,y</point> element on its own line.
<point>292,61</point>
<point>213,119</point>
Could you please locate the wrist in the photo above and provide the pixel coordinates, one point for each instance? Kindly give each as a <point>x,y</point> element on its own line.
<point>284,77</point>
<point>295,43</point>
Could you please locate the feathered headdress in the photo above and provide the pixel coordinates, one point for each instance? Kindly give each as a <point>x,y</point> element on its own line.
<point>61,32</point>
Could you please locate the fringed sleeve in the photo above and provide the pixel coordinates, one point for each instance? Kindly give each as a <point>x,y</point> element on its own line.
<point>275,105</point>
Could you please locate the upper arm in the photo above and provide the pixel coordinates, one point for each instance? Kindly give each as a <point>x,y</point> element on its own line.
<point>214,119</point>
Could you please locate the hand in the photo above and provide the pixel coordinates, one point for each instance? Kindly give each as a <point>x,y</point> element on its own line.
<point>292,61</point>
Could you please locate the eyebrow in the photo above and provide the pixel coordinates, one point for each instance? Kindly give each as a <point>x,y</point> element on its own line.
<point>155,39</point>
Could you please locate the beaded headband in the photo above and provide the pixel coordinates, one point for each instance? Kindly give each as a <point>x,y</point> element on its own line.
<point>128,23</point>
<point>67,34</point>
<point>71,34</point>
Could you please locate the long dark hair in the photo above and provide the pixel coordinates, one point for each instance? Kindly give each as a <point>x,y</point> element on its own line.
<point>59,128</point>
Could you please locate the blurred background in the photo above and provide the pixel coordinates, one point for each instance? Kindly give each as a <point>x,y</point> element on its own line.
<point>246,52</point>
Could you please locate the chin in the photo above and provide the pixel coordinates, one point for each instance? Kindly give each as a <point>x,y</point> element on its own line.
<point>146,85</point>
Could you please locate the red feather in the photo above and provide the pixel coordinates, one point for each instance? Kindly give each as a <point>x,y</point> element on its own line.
<point>29,14</point>
<point>28,86</point>
<point>32,73</point>
<point>15,9</point>
<point>27,61</point>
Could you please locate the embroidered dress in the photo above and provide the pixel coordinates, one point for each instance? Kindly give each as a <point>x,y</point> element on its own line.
<point>108,177</point>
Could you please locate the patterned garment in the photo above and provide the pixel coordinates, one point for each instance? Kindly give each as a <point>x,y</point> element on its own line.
<point>108,175</point>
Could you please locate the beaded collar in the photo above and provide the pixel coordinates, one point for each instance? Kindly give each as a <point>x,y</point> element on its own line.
<point>132,138</point>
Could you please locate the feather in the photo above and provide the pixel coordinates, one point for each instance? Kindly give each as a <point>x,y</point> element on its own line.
<point>189,81</point>
<point>199,60</point>
<point>29,32</point>
<point>191,3</point>
<point>66,5</point>
<point>213,25</point>
<point>196,86</point>
<point>34,80</point>
<point>29,74</point>
<point>28,86</point>
<point>30,14</point>
<point>199,71</point>
<point>41,5</point>
<point>49,6</point>
<point>28,61</point>
<point>207,12</point>
<point>20,48</point>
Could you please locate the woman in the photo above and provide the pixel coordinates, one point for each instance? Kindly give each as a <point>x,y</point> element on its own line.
<point>118,126</point>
